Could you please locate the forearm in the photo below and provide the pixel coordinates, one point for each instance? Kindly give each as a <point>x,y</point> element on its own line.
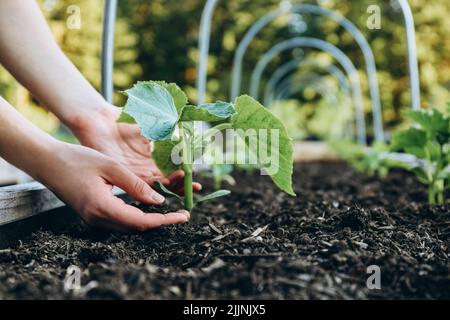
<point>22,144</point>
<point>29,51</point>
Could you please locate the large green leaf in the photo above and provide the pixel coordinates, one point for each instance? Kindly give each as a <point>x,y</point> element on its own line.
<point>252,115</point>
<point>153,109</point>
<point>162,154</point>
<point>210,112</point>
<point>179,97</point>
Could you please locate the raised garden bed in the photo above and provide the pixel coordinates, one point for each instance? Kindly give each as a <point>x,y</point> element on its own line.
<point>256,243</point>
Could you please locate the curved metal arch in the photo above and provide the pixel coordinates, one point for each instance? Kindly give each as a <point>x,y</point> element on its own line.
<point>295,64</point>
<point>110,12</point>
<point>342,21</point>
<point>287,93</point>
<point>296,78</point>
<point>290,91</point>
<point>311,77</point>
<point>203,44</point>
<point>298,8</point>
<point>414,76</point>
<point>330,49</point>
<point>205,28</point>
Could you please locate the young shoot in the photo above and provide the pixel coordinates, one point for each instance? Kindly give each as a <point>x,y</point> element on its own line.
<point>429,141</point>
<point>164,116</point>
<point>219,172</point>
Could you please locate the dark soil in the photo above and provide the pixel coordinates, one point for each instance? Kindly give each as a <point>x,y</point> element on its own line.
<point>256,243</point>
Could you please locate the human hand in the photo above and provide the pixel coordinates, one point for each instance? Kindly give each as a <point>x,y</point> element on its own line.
<point>84,178</point>
<point>125,144</point>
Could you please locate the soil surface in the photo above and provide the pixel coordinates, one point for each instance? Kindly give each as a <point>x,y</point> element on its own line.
<point>255,243</point>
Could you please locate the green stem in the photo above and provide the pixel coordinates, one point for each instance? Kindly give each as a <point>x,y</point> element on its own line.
<point>440,192</point>
<point>431,195</point>
<point>217,183</point>
<point>437,185</point>
<point>187,168</point>
<point>188,193</point>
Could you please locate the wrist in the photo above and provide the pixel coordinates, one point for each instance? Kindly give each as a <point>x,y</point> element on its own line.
<point>82,116</point>
<point>93,121</point>
<point>42,164</point>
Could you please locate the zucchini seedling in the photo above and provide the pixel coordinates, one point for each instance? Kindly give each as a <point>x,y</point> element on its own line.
<point>163,114</point>
<point>429,141</point>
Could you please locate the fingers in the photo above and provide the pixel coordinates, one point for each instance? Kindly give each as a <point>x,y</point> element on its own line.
<point>114,214</point>
<point>197,187</point>
<point>176,183</point>
<point>123,178</point>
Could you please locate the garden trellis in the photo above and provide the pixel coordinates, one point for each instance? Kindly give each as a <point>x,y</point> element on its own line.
<point>344,61</point>
<point>295,64</point>
<point>295,84</point>
<point>205,35</point>
<point>108,49</point>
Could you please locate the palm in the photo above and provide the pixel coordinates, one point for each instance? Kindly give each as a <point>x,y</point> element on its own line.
<point>124,143</point>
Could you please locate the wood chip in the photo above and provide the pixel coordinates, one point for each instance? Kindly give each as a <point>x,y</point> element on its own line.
<point>215,228</point>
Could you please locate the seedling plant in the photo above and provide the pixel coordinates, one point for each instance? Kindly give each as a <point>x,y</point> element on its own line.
<point>424,150</point>
<point>163,114</point>
<point>429,141</point>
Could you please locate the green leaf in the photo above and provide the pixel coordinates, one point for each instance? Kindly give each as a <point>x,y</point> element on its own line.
<point>126,118</point>
<point>210,112</point>
<point>162,154</point>
<point>252,115</point>
<point>434,151</point>
<point>179,97</point>
<point>153,108</point>
<point>432,121</point>
<point>412,141</point>
<point>167,191</point>
<point>214,195</point>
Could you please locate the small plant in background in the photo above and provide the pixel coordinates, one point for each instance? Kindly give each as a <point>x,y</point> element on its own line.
<point>372,161</point>
<point>222,173</point>
<point>376,160</point>
<point>219,172</point>
<point>429,141</point>
<point>164,116</point>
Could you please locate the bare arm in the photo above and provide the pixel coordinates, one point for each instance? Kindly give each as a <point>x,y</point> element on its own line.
<point>80,176</point>
<point>29,51</point>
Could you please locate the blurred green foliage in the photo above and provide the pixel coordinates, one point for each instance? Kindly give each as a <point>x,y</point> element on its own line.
<point>158,39</point>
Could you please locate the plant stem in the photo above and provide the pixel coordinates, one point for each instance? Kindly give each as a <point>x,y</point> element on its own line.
<point>431,195</point>
<point>217,183</point>
<point>188,193</point>
<point>187,168</point>
<point>440,192</point>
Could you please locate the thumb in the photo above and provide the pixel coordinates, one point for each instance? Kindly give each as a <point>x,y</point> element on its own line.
<point>126,180</point>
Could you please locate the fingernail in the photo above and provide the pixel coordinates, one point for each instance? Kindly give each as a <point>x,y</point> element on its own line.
<point>185,217</point>
<point>157,197</point>
<point>184,213</point>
